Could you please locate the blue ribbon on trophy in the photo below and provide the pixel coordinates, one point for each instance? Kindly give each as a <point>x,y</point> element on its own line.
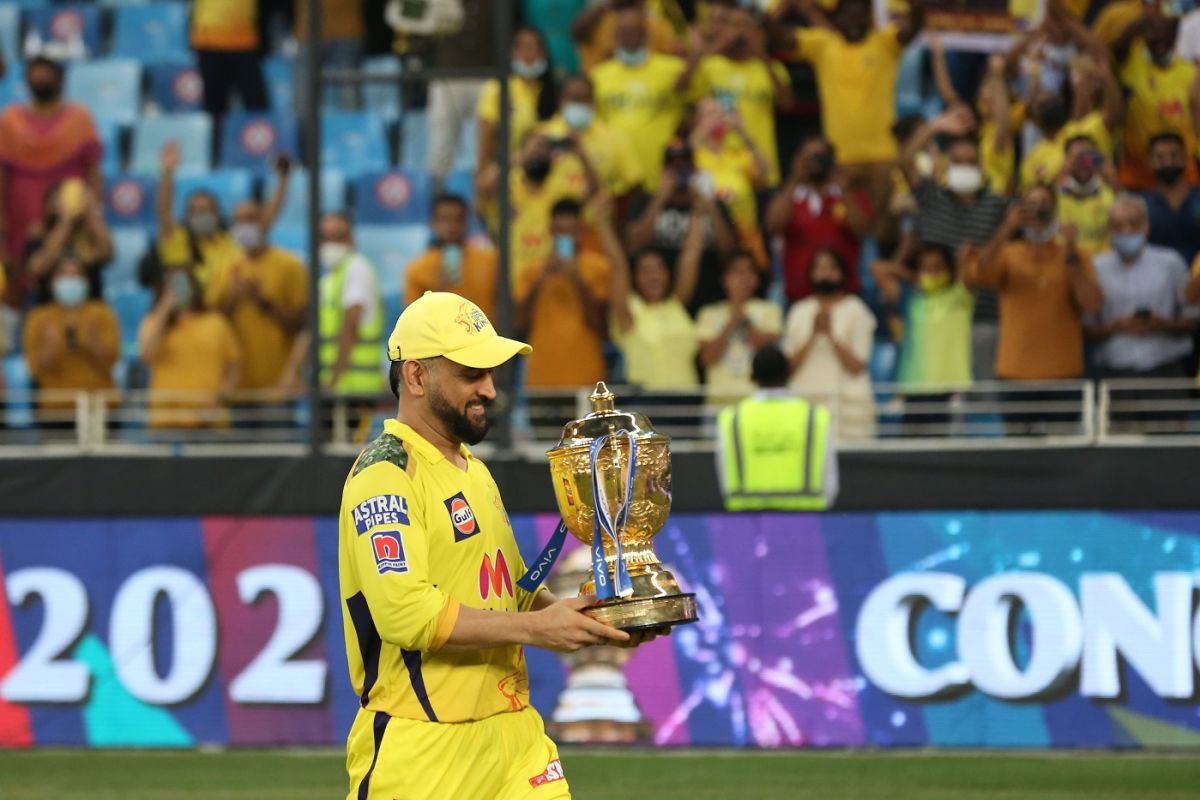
<point>541,566</point>
<point>608,522</point>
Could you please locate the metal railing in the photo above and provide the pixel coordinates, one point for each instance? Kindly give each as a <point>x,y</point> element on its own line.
<point>984,416</point>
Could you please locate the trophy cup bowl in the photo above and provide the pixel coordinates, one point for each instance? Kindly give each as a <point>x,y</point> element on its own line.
<point>656,600</point>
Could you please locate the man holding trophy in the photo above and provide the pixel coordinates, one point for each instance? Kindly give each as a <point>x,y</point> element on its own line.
<point>434,621</point>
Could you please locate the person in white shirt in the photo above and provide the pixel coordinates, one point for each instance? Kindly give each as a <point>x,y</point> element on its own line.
<point>828,338</point>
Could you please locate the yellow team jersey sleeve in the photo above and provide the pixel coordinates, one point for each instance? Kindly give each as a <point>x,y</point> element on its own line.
<point>388,551</point>
<point>811,43</point>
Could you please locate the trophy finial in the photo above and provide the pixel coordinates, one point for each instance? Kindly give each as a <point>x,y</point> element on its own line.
<point>602,399</point>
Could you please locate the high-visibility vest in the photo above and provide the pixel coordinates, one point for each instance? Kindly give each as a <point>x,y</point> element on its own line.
<point>773,453</point>
<point>364,372</point>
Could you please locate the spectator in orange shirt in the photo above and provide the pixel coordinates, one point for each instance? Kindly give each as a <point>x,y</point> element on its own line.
<point>561,303</point>
<point>225,38</point>
<point>453,264</point>
<point>71,342</point>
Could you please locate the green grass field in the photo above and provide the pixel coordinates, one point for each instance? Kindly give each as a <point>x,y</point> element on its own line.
<point>625,775</point>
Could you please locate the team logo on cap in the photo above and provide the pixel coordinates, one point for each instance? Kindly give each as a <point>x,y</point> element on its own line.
<point>471,318</point>
<point>462,516</point>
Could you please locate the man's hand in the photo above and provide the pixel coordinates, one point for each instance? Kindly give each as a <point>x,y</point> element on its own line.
<point>821,324</point>
<point>642,637</point>
<point>564,628</point>
<point>171,157</point>
<point>955,121</point>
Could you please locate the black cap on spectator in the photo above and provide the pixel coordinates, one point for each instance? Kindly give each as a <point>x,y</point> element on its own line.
<point>769,370</point>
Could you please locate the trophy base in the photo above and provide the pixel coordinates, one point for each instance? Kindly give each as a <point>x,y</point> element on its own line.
<point>633,614</point>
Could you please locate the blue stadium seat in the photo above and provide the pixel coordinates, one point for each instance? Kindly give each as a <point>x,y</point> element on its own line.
<point>391,248</point>
<point>462,183</point>
<point>354,141</point>
<point>10,32</point>
<point>384,99</point>
<point>414,141</point>
<point>467,154</point>
<point>293,238</point>
<point>392,198</point>
<point>295,205</point>
<point>129,245</point>
<point>17,413</point>
<point>109,132</point>
<point>278,73</point>
<point>175,87</point>
<point>111,88</point>
<point>154,33</point>
<point>193,132</point>
<point>130,307</point>
<point>129,201</point>
<point>231,186</point>
<point>250,140</point>
<point>62,28</point>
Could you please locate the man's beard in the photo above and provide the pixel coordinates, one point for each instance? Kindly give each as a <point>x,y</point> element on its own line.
<point>456,422</point>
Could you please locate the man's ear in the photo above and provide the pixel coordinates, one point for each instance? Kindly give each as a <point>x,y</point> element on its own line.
<point>414,374</point>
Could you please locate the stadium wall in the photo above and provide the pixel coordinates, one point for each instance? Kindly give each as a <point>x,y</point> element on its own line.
<point>946,628</point>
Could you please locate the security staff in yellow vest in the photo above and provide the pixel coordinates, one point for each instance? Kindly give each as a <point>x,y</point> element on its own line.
<point>775,451</point>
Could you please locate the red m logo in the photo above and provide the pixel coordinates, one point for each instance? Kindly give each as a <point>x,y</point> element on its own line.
<point>494,577</point>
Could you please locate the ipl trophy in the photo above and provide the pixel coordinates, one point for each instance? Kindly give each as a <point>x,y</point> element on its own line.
<point>612,480</point>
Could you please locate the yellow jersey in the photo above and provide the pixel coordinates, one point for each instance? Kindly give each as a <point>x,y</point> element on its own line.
<point>642,103</point>
<point>224,25</point>
<point>856,82</point>
<point>1089,214</point>
<point>749,87</point>
<point>611,153</point>
<point>1159,100</point>
<point>175,250</point>
<point>523,99</point>
<point>1044,161</point>
<point>418,538</point>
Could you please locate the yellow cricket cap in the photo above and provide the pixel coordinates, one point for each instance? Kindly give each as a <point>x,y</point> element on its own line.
<point>445,324</point>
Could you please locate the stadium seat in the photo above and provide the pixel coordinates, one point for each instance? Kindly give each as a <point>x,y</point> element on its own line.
<point>392,198</point>
<point>293,238</point>
<point>153,33</point>
<point>278,73</point>
<point>467,154</point>
<point>18,413</point>
<point>462,183</point>
<point>192,131</point>
<point>131,308</point>
<point>295,205</point>
<point>231,186</point>
<point>129,246</point>
<point>129,201</point>
<point>109,132</point>
<point>175,87</point>
<point>385,99</point>
<point>63,31</point>
<point>353,141</point>
<point>414,141</point>
<point>10,32</point>
<point>391,249</point>
<point>251,140</point>
<point>111,88</point>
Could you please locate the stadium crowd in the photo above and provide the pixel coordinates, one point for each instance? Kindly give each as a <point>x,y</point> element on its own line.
<point>690,181</point>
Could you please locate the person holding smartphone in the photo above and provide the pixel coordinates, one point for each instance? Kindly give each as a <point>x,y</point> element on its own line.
<point>452,263</point>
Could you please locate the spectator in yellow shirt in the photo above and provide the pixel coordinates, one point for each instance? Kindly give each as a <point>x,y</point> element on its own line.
<point>856,69</point>
<point>1085,195</point>
<point>71,342</point>
<point>730,166</point>
<point>532,95</point>
<point>452,263</point>
<point>192,355</point>
<point>735,68</point>
<point>1163,94</point>
<point>594,30</point>
<point>636,91</point>
<point>264,295</point>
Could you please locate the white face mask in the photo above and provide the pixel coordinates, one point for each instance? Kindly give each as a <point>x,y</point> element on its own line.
<point>964,178</point>
<point>330,254</point>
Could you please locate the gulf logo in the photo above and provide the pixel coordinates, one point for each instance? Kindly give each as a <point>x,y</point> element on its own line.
<point>462,516</point>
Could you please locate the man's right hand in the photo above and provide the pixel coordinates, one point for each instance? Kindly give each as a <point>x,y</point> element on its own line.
<point>564,628</point>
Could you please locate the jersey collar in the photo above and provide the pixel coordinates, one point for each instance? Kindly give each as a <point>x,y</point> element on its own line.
<point>423,446</point>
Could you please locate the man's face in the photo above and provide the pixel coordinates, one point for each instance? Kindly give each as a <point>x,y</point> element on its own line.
<point>1167,154</point>
<point>963,153</point>
<point>1160,35</point>
<point>629,30</point>
<point>1082,161</point>
<point>449,223</point>
<point>247,212</point>
<point>1127,218</point>
<point>334,229</point>
<point>459,397</point>
<point>565,225</point>
<point>853,19</point>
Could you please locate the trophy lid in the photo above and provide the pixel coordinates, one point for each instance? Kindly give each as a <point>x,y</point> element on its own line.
<point>605,418</point>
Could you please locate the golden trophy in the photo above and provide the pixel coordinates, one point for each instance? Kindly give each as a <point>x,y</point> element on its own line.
<point>612,480</point>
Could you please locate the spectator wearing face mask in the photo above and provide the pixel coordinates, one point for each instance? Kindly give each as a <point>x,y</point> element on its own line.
<point>636,90</point>
<point>1163,94</point>
<point>452,263</point>
<point>664,221</point>
<point>1174,204</point>
<point>856,67</point>
<point>827,337</point>
<point>561,304</point>
<point>74,222</point>
<point>814,210</point>
<point>1145,326</point>
<point>734,67</point>
<point>732,331</point>
<point>264,294</point>
<point>192,354</point>
<point>1084,196</point>
<point>71,342</point>
<point>1046,288</point>
<point>42,143</point>
<point>610,153</point>
<point>532,94</point>
<point>596,35</point>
